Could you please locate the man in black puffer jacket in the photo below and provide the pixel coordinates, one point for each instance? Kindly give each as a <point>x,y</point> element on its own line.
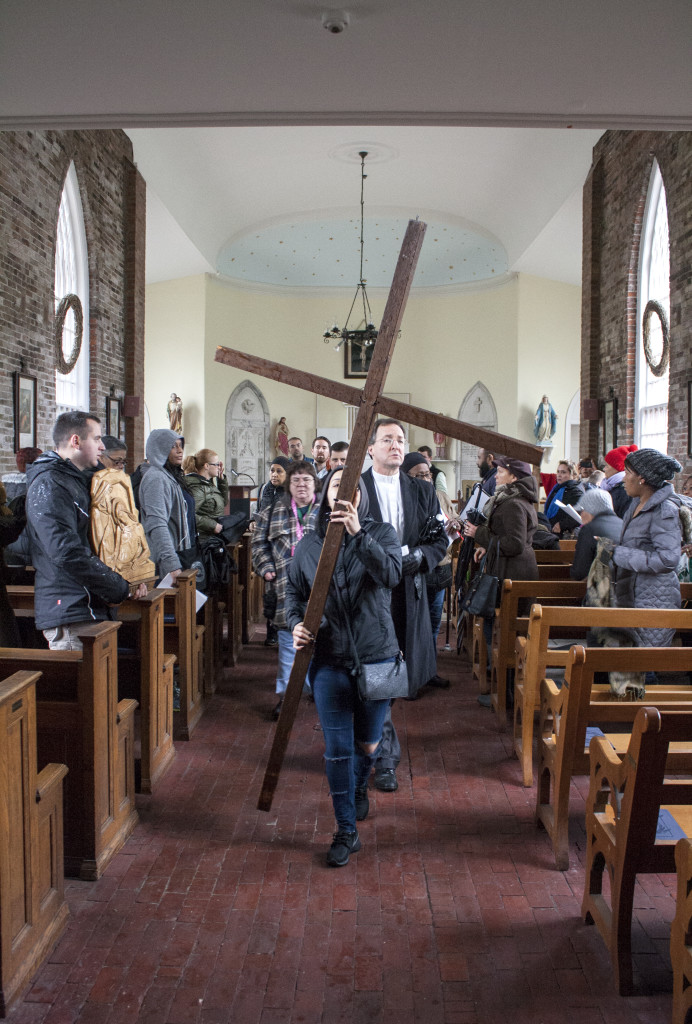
<point>74,588</point>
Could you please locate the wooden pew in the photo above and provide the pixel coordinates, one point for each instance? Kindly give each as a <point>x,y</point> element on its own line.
<point>555,556</point>
<point>33,910</point>
<point>185,638</point>
<point>681,934</point>
<point>566,712</point>
<point>245,572</point>
<point>212,614</point>
<point>152,683</point>
<point>145,675</point>
<point>81,723</point>
<point>535,656</point>
<point>234,611</point>
<point>625,798</point>
<point>550,571</point>
<point>509,625</point>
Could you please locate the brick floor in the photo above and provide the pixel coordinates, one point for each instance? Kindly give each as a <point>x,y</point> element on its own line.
<point>452,913</point>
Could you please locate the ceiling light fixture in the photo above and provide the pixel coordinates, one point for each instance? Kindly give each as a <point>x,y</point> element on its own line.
<point>366,333</point>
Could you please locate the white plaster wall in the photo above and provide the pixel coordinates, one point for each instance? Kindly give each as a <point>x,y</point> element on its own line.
<point>521,338</point>
<point>174,355</point>
<point>548,354</point>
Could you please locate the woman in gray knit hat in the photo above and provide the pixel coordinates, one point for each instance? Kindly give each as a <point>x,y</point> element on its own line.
<point>649,550</point>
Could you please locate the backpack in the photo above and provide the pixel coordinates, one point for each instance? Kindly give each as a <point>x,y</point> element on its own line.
<point>217,565</point>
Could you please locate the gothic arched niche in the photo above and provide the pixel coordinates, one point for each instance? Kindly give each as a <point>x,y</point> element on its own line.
<point>247,433</point>
<point>477,408</point>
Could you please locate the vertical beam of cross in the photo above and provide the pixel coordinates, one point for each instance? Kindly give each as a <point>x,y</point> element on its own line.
<point>374,384</point>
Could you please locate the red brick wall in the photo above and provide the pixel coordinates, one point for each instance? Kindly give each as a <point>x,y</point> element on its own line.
<point>614,198</point>
<point>33,166</point>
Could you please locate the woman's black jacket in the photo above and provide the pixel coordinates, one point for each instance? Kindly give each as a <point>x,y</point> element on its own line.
<point>573,494</point>
<point>368,566</point>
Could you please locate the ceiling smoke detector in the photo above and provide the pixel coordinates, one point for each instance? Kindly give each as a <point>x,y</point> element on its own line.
<point>336,21</point>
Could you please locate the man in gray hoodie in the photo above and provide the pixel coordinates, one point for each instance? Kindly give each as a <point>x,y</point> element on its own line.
<point>163,501</point>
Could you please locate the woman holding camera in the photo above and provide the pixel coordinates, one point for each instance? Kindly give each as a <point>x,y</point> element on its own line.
<point>356,613</point>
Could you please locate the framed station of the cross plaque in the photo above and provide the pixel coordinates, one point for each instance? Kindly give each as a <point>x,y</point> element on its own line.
<point>357,359</point>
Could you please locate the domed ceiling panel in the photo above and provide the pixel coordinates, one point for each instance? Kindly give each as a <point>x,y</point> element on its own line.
<point>325,253</point>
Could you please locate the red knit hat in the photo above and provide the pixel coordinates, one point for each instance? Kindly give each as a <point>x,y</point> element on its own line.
<point>616,456</point>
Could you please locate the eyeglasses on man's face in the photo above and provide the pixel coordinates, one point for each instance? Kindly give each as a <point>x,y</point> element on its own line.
<point>391,442</point>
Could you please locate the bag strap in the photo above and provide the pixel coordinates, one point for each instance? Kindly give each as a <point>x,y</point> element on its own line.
<point>347,619</point>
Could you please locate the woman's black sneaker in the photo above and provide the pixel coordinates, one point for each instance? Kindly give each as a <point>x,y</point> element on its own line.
<point>343,845</point>
<point>362,803</point>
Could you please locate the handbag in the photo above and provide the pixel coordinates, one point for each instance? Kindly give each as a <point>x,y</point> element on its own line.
<point>481,596</point>
<point>270,601</point>
<point>379,680</point>
<point>382,680</point>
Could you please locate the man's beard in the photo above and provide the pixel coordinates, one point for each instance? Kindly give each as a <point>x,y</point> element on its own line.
<point>484,469</point>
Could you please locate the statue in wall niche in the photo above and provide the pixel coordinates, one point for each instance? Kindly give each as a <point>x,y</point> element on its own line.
<point>117,536</point>
<point>174,411</point>
<point>281,438</point>
<point>545,423</point>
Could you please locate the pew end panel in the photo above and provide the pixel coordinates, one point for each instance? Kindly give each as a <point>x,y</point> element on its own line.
<point>33,910</point>
<point>625,797</point>
<point>681,934</point>
<point>81,722</point>
<point>185,638</point>
<point>150,672</point>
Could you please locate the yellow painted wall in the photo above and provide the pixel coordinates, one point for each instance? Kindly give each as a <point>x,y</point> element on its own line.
<point>549,354</point>
<point>520,338</point>
<point>174,347</point>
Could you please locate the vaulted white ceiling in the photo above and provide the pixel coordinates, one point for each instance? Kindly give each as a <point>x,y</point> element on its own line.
<point>281,206</point>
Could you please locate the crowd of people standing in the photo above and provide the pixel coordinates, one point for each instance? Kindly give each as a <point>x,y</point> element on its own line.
<point>385,600</point>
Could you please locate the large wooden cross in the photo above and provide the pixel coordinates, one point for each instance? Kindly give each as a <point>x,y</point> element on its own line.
<point>371,403</point>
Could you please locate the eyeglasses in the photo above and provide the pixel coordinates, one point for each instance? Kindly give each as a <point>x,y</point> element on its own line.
<point>213,463</point>
<point>116,462</point>
<point>391,442</point>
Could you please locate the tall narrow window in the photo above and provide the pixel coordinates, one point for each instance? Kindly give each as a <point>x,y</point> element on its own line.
<point>653,313</point>
<point>72,298</point>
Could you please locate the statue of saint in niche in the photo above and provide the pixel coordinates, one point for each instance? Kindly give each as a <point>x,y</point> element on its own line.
<point>117,536</point>
<point>281,438</point>
<point>545,423</point>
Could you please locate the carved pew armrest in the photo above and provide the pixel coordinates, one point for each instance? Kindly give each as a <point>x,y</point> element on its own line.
<point>607,779</point>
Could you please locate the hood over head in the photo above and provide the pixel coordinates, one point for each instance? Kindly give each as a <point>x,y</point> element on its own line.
<point>159,444</point>
<point>324,509</point>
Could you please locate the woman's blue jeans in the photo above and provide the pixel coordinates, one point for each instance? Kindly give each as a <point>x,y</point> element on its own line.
<point>346,722</point>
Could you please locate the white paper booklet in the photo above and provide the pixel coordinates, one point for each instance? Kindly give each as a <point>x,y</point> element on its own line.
<point>570,510</point>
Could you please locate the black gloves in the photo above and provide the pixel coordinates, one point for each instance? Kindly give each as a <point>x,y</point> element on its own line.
<point>411,563</point>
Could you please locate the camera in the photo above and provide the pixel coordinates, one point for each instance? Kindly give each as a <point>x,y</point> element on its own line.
<point>475,517</point>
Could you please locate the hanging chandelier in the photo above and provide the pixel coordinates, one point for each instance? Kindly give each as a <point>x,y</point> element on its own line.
<point>365,334</point>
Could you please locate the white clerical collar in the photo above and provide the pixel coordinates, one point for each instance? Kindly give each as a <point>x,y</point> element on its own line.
<point>382,479</point>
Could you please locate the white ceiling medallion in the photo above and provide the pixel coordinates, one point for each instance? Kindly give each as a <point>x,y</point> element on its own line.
<point>349,152</point>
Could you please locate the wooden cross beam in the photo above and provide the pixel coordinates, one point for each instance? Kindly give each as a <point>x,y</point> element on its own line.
<point>498,444</point>
<point>371,403</point>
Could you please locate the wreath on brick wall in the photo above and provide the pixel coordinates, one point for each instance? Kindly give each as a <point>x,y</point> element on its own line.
<point>72,302</point>
<point>652,307</point>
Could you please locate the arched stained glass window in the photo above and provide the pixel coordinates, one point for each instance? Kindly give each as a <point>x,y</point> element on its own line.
<point>653,313</point>
<point>72,278</point>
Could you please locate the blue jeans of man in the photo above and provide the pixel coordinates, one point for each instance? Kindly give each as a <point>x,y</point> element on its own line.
<point>346,722</point>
